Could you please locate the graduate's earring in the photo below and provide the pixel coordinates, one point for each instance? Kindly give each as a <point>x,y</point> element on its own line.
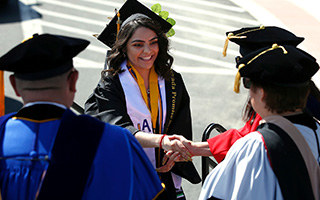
<point>124,55</point>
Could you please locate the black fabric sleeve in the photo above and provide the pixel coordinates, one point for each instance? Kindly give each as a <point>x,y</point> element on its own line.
<point>107,103</point>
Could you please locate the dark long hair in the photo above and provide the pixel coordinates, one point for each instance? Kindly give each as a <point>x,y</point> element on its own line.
<point>163,61</point>
<point>248,111</point>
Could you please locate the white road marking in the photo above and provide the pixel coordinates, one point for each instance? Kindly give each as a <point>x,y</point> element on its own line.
<point>30,26</point>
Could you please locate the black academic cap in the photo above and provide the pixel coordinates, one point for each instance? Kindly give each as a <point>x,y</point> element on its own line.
<point>279,65</point>
<point>42,56</point>
<point>253,38</point>
<point>130,7</point>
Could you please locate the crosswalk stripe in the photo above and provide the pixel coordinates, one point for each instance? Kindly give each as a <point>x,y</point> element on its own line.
<point>203,46</point>
<point>69,17</point>
<point>216,5</point>
<point>66,28</point>
<point>171,5</point>
<point>175,39</point>
<point>198,11</point>
<point>200,60</point>
<point>85,63</point>
<point>79,7</point>
<point>205,34</point>
<point>200,22</point>
<point>29,26</point>
<point>102,50</point>
<point>205,70</point>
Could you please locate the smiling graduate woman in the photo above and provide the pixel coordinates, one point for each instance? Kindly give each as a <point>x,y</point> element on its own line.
<point>140,91</point>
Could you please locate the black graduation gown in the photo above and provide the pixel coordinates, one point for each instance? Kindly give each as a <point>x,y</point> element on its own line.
<point>108,104</point>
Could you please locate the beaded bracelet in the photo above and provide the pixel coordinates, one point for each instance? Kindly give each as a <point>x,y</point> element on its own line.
<point>160,145</point>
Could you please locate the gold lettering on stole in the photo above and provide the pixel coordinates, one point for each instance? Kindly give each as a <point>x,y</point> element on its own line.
<point>173,99</point>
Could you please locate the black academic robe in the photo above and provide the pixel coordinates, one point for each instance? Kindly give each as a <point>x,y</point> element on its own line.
<point>108,104</point>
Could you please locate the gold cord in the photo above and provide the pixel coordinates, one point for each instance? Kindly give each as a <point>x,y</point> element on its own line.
<point>236,87</point>
<point>238,36</point>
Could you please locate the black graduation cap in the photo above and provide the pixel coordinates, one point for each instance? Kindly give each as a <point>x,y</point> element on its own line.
<point>42,56</point>
<point>253,38</point>
<point>279,65</point>
<point>130,7</point>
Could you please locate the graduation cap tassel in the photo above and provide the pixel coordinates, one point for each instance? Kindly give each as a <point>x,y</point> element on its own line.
<point>236,87</point>
<point>224,52</point>
<point>225,47</point>
<point>238,76</point>
<point>2,97</point>
<point>118,22</point>
<point>230,36</point>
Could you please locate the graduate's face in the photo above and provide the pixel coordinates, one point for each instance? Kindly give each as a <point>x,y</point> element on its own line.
<point>142,48</point>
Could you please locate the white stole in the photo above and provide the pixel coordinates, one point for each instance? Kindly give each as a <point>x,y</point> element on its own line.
<point>136,107</point>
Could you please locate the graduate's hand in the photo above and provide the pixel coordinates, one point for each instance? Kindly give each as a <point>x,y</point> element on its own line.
<point>168,161</point>
<point>175,145</point>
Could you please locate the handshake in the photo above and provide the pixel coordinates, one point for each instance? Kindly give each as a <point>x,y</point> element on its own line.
<point>179,149</point>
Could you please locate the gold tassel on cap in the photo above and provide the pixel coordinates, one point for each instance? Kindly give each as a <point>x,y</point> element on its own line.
<point>238,36</point>
<point>118,22</point>
<point>224,52</point>
<point>230,36</point>
<point>236,86</point>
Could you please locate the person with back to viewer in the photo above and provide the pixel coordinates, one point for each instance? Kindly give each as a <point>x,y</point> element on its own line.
<point>249,40</point>
<point>47,151</point>
<point>280,160</point>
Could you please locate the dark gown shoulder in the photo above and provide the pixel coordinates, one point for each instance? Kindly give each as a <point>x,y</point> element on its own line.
<point>108,104</point>
<point>40,112</point>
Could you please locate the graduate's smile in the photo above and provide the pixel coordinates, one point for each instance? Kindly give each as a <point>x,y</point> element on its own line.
<point>146,58</point>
